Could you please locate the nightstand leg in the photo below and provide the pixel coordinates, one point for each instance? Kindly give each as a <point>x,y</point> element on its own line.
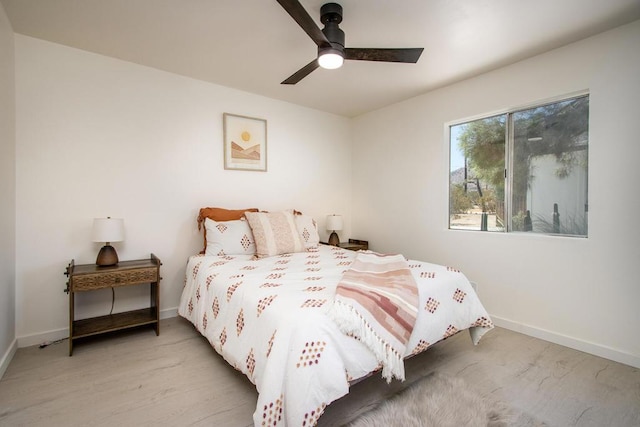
<point>71,316</point>
<point>155,302</point>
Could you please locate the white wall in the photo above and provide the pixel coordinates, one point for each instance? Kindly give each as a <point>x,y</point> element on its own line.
<point>580,292</point>
<point>7,193</point>
<point>101,137</point>
<point>96,136</point>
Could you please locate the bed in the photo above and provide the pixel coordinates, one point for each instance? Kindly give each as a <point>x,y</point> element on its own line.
<point>268,315</point>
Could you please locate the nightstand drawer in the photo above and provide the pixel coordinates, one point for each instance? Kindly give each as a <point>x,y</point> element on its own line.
<point>88,282</point>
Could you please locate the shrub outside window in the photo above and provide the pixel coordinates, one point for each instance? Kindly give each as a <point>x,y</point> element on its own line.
<point>525,170</point>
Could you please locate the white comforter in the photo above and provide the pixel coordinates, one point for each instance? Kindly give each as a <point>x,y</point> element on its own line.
<point>268,319</point>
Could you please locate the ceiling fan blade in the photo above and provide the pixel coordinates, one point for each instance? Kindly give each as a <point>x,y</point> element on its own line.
<point>301,73</point>
<point>386,55</point>
<point>300,15</point>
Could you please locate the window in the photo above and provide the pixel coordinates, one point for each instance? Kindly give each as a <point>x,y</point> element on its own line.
<point>526,170</point>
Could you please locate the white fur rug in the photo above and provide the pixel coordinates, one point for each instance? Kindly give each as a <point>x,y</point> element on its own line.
<point>441,401</point>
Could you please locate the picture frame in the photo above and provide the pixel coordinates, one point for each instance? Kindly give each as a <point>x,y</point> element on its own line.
<point>245,143</point>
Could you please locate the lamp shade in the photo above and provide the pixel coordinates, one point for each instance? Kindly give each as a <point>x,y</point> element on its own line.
<point>334,222</point>
<point>330,59</point>
<point>108,230</point>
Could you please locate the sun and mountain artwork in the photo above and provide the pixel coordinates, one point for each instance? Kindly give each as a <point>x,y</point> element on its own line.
<point>245,143</point>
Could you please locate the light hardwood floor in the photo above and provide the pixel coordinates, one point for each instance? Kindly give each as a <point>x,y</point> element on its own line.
<point>176,379</point>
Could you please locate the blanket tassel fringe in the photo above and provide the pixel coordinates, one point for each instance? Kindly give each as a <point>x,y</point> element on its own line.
<point>392,362</point>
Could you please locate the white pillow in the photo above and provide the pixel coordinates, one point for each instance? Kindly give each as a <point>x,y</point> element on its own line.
<point>229,238</point>
<point>275,233</point>
<point>308,230</point>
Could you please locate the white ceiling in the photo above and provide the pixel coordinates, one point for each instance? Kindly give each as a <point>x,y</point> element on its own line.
<point>253,45</point>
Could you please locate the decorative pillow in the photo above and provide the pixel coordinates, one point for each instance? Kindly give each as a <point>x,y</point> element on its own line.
<point>219,214</point>
<point>308,230</point>
<point>229,238</point>
<point>275,233</point>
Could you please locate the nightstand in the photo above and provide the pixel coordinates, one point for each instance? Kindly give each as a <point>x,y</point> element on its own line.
<point>90,277</point>
<point>355,245</point>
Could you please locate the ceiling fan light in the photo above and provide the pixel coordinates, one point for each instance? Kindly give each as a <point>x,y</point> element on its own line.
<point>330,60</point>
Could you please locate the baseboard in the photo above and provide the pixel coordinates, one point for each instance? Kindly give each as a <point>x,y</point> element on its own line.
<point>57,334</point>
<point>42,337</point>
<point>574,343</point>
<point>7,357</point>
<point>168,313</point>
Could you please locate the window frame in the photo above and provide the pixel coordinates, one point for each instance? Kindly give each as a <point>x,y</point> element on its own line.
<point>509,161</point>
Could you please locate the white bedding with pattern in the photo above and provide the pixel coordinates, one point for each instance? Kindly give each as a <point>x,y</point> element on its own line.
<point>267,318</point>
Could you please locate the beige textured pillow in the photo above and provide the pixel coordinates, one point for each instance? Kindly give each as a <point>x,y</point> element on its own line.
<point>275,233</point>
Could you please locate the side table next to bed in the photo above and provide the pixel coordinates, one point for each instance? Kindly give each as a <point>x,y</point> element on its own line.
<point>90,277</point>
<point>352,245</point>
<point>355,245</point>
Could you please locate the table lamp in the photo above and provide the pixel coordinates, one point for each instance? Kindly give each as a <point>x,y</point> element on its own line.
<point>334,223</point>
<point>107,230</point>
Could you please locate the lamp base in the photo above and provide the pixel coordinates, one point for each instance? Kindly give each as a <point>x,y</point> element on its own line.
<point>107,256</point>
<point>334,240</point>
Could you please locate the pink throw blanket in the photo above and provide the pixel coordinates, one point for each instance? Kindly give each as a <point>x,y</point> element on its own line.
<point>377,302</point>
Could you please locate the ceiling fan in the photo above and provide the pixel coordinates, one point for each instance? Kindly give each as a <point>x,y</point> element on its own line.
<point>330,41</point>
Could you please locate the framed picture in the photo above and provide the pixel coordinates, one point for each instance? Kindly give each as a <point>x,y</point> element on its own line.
<point>245,143</point>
